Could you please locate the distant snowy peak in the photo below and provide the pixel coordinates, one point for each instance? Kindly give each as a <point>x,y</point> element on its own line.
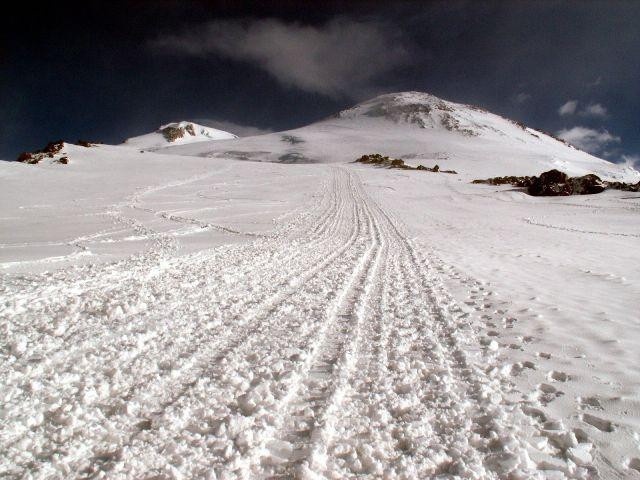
<point>422,109</point>
<point>189,130</point>
<point>178,133</point>
<point>412,107</point>
<point>428,111</point>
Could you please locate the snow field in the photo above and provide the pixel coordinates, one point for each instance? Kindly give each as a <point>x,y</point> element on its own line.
<point>328,349</point>
<point>205,317</point>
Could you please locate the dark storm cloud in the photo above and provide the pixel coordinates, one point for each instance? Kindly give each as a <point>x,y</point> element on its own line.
<point>86,70</point>
<point>340,57</point>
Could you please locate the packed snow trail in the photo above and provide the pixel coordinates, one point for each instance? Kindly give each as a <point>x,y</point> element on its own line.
<point>330,349</point>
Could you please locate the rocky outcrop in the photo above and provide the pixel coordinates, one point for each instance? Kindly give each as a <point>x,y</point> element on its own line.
<point>50,150</point>
<point>587,185</point>
<point>176,131</point>
<point>554,183</point>
<point>27,157</point>
<point>452,124</point>
<point>626,187</point>
<point>384,161</point>
<point>508,180</point>
<point>551,183</point>
<point>172,133</point>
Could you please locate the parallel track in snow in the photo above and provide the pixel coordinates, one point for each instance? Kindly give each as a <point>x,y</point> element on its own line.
<point>330,349</point>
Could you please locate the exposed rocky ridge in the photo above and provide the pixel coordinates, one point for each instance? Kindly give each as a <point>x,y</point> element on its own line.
<point>384,161</point>
<point>557,183</point>
<point>50,150</point>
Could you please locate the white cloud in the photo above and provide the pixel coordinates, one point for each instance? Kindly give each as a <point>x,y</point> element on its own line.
<point>521,97</point>
<point>594,110</point>
<point>336,58</point>
<point>568,108</point>
<point>588,139</point>
<point>631,160</point>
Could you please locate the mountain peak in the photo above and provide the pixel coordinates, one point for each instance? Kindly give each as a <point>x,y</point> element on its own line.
<point>427,111</point>
<point>178,133</point>
<point>418,108</point>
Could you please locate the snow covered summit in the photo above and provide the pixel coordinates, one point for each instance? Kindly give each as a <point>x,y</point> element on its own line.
<point>430,112</point>
<point>422,128</point>
<point>178,133</point>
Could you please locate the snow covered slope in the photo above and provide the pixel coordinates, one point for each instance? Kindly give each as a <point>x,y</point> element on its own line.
<point>419,128</point>
<point>177,133</point>
<point>185,316</point>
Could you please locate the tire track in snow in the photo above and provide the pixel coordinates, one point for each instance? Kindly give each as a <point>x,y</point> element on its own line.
<point>268,263</point>
<point>493,432</point>
<point>259,266</point>
<point>330,349</point>
<point>261,337</point>
<point>262,321</point>
<point>320,383</point>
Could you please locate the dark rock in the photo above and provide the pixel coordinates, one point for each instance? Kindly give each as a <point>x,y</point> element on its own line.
<point>27,157</point>
<point>190,130</point>
<point>84,143</point>
<point>587,185</point>
<point>377,159</point>
<point>64,160</point>
<point>626,187</point>
<point>374,158</point>
<point>508,180</point>
<point>172,133</point>
<point>53,147</point>
<point>48,151</point>
<point>551,183</point>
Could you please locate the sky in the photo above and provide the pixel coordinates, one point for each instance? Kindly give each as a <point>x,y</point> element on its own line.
<point>105,71</point>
